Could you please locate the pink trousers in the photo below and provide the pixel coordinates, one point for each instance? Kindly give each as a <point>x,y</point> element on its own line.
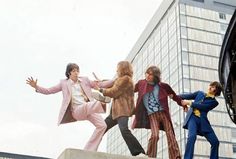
<point>89,111</point>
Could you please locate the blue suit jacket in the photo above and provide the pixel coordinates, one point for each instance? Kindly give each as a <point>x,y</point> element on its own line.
<point>204,105</point>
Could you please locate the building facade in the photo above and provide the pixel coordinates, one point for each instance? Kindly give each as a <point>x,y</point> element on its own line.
<point>184,39</point>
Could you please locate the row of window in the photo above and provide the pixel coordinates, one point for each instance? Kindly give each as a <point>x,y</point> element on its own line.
<point>204,13</point>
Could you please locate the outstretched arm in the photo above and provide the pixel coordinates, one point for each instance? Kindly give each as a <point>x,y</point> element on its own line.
<point>117,89</point>
<point>189,96</point>
<point>100,83</point>
<point>177,99</point>
<point>33,83</point>
<point>172,95</point>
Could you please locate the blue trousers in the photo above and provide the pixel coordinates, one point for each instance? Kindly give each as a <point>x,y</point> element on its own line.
<point>193,129</point>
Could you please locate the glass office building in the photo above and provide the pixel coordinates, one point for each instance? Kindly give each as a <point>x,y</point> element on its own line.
<point>184,39</point>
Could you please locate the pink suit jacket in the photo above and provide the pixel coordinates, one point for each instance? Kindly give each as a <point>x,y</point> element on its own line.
<point>65,115</point>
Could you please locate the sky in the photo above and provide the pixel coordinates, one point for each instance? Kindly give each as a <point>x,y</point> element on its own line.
<point>38,38</point>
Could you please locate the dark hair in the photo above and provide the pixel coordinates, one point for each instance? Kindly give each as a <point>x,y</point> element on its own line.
<point>156,73</point>
<point>218,87</point>
<point>125,68</point>
<point>69,68</point>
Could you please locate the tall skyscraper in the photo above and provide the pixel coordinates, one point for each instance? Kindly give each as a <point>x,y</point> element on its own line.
<point>184,39</point>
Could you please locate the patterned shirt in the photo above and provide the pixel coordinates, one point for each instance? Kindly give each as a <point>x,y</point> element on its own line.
<point>151,101</point>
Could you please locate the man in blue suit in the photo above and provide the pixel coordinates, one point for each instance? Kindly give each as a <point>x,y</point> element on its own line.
<point>196,120</point>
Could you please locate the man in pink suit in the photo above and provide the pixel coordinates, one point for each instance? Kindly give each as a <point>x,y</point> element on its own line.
<point>78,102</point>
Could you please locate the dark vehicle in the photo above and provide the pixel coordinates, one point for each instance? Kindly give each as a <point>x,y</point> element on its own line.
<point>227,68</point>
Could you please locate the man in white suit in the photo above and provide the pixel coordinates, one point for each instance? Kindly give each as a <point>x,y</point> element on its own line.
<point>78,102</point>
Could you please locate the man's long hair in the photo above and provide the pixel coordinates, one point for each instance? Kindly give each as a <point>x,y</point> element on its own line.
<point>156,73</point>
<point>124,68</point>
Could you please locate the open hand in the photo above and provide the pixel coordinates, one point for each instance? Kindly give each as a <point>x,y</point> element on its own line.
<point>30,81</point>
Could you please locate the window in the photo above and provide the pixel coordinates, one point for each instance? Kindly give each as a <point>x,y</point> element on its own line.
<point>222,16</point>
<point>186,85</point>
<point>184,45</point>
<point>182,9</point>
<point>183,32</point>
<point>233,131</point>
<point>186,72</point>
<point>183,20</point>
<point>185,57</point>
<point>234,148</point>
<point>223,28</point>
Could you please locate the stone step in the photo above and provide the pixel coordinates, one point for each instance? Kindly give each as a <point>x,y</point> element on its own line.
<point>82,154</point>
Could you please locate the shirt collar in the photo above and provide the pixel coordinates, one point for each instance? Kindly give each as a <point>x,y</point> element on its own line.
<point>210,95</point>
<point>151,83</point>
<point>72,82</point>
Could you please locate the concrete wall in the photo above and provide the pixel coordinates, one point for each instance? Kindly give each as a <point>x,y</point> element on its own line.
<point>81,154</point>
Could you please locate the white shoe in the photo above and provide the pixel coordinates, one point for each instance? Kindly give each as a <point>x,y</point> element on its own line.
<point>142,155</point>
<point>101,98</point>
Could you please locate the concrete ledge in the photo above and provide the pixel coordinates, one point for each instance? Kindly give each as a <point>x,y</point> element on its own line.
<point>82,154</point>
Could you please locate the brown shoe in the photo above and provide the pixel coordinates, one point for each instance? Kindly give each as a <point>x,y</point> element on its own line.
<point>101,98</point>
